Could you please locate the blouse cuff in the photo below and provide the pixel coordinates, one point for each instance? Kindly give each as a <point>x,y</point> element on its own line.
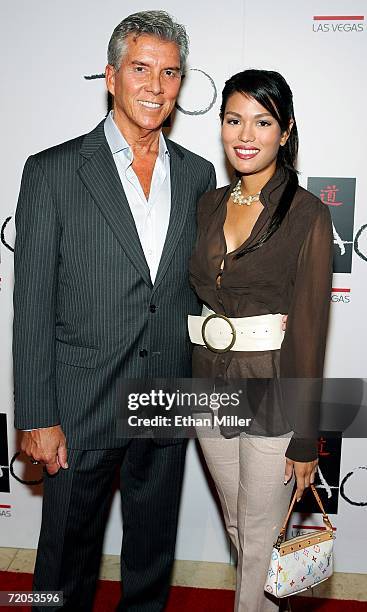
<point>302,449</point>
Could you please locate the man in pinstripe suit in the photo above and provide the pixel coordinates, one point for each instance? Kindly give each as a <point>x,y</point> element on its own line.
<point>105,227</point>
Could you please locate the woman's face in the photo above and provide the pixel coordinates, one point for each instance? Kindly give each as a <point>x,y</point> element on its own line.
<point>251,136</point>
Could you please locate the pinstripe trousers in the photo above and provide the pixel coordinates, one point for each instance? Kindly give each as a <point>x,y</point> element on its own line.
<point>75,509</point>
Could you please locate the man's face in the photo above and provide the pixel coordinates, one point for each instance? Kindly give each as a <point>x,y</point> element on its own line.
<point>147,83</point>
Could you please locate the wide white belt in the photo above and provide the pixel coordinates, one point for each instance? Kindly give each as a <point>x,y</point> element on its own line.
<point>220,334</point>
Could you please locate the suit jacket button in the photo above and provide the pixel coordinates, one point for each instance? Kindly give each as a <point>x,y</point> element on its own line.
<point>153,308</point>
<point>143,353</point>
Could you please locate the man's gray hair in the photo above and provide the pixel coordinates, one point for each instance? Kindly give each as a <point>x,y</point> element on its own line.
<point>153,23</point>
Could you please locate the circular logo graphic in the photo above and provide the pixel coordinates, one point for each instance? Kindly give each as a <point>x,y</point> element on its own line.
<point>355,487</point>
<point>26,482</point>
<point>357,240</point>
<point>3,236</point>
<point>203,88</point>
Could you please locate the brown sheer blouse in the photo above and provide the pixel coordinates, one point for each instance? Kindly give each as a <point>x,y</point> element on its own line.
<point>290,274</point>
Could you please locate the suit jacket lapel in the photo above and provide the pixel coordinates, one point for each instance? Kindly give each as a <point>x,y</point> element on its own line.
<point>180,201</point>
<point>100,176</point>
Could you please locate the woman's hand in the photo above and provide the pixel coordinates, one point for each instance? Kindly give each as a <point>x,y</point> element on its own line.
<point>304,473</point>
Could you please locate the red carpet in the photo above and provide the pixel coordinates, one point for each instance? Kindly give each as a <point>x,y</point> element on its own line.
<point>182,599</point>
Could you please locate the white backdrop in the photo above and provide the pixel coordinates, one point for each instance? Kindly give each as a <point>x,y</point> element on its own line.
<point>48,48</point>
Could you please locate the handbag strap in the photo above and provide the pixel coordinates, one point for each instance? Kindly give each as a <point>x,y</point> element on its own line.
<point>324,515</point>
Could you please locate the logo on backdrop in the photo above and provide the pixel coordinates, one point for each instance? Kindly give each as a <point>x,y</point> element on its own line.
<point>5,233</point>
<point>339,195</point>
<point>327,478</point>
<point>360,242</point>
<point>338,23</point>
<point>340,295</point>
<point>29,469</point>
<point>201,85</point>
<point>4,456</point>
<point>353,484</point>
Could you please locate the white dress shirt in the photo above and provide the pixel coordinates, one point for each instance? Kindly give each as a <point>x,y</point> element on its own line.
<point>151,216</point>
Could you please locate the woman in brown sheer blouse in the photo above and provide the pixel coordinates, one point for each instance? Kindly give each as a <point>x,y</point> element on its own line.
<point>264,247</point>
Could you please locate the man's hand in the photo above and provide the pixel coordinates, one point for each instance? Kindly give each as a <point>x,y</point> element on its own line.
<point>304,473</point>
<point>284,322</point>
<point>46,445</point>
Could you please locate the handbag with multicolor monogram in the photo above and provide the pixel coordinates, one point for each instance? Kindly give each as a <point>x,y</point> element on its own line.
<point>302,562</point>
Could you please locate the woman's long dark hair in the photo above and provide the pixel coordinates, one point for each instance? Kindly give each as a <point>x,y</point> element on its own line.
<point>272,91</point>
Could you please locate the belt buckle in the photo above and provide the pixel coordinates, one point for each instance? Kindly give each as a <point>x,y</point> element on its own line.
<point>233,332</point>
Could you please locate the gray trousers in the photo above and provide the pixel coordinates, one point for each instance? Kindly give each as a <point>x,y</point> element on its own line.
<point>248,473</point>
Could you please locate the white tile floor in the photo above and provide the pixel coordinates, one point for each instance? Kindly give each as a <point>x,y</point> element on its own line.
<point>197,574</point>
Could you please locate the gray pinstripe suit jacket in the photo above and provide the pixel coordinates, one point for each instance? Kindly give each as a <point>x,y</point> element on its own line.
<point>83,292</point>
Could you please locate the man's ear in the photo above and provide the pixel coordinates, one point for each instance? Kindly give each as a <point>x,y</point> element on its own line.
<point>110,79</point>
